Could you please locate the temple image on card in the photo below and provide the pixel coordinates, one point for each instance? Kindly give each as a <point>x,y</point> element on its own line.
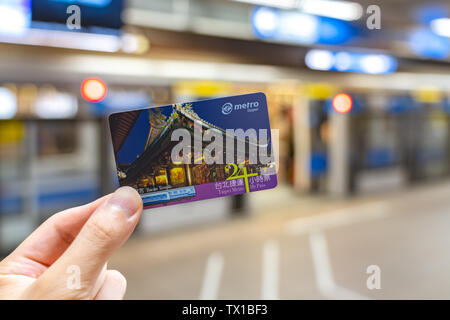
<point>153,170</point>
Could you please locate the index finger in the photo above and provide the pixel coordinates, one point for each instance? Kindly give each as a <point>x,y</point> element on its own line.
<point>49,241</point>
<point>104,232</point>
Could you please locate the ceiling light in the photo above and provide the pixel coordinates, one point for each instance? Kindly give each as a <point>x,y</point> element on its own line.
<point>319,60</point>
<point>341,10</point>
<point>282,4</point>
<point>441,27</point>
<point>8,103</point>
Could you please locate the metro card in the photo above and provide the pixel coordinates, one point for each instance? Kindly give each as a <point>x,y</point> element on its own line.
<point>195,151</point>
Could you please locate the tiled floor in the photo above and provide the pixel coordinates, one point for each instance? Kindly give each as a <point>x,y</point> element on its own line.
<point>306,248</point>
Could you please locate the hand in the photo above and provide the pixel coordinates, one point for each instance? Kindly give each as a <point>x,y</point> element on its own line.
<point>65,258</point>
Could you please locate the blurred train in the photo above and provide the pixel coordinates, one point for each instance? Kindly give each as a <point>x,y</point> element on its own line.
<point>55,149</point>
<point>384,139</point>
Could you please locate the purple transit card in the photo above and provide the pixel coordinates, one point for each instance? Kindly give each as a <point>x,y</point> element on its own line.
<point>195,151</point>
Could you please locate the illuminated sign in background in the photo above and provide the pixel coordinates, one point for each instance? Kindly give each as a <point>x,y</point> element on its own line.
<point>15,16</point>
<point>96,13</point>
<point>296,27</point>
<point>92,3</point>
<point>350,62</point>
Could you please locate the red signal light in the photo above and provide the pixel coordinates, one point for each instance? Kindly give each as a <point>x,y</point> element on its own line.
<point>342,103</point>
<point>93,89</point>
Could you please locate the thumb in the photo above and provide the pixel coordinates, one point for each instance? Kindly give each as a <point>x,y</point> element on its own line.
<point>105,231</point>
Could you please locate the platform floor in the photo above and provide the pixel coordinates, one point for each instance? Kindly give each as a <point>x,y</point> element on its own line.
<point>307,248</point>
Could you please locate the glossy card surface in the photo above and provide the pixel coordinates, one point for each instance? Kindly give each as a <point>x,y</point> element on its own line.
<point>196,150</point>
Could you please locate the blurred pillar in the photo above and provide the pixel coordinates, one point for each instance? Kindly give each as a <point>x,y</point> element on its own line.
<point>31,192</point>
<point>302,145</point>
<point>104,169</point>
<point>238,205</point>
<point>339,155</point>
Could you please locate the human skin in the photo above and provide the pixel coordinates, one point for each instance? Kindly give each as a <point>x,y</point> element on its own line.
<point>81,238</point>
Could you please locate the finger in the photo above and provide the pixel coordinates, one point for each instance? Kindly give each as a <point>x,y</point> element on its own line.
<point>13,286</point>
<point>100,281</point>
<point>104,232</point>
<point>114,286</point>
<point>48,242</point>
<point>71,290</point>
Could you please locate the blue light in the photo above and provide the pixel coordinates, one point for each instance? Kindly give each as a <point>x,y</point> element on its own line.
<point>117,101</point>
<point>425,43</point>
<point>15,16</point>
<point>271,23</point>
<point>343,61</point>
<point>376,63</point>
<point>401,104</point>
<point>265,22</point>
<point>429,12</point>
<point>350,62</point>
<point>333,31</point>
<point>320,60</point>
<point>92,3</point>
<point>296,27</point>
<point>446,105</point>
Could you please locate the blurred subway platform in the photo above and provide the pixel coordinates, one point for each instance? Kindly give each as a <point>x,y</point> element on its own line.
<point>318,248</point>
<point>361,120</point>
